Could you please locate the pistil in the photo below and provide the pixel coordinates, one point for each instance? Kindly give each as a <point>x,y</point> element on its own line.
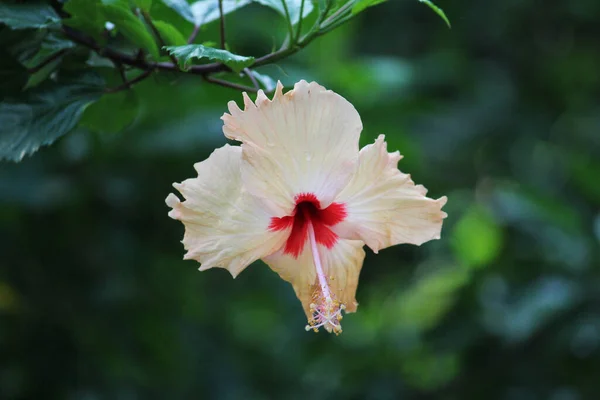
<point>326,309</point>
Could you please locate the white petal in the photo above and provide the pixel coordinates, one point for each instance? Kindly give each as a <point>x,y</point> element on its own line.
<point>304,141</point>
<point>384,205</point>
<point>341,264</point>
<point>224,225</point>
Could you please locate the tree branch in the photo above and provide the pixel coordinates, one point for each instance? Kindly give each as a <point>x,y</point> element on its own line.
<point>128,84</point>
<point>250,75</point>
<point>136,62</point>
<point>228,84</point>
<point>139,61</point>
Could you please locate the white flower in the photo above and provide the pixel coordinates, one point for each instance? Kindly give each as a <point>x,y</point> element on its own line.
<point>299,195</point>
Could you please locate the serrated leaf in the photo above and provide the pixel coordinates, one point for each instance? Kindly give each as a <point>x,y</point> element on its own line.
<point>28,15</point>
<point>185,55</point>
<point>293,7</point>
<point>438,11</point>
<point>206,11</point>
<point>123,108</point>
<point>170,34</point>
<point>361,5</point>
<point>33,47</point>
<point>40,116</point>
<point>131,27</point>
<point>182,8</point>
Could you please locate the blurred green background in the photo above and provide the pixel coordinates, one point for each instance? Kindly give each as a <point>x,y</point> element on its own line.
<point>501,114</point>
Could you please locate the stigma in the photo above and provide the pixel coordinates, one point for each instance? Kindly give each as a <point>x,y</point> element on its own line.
<point>325,309</point>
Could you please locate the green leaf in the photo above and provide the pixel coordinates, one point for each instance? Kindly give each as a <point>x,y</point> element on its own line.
<point>22,44</point>
<point>438,11</point>
<point>265,80</point>
<point>170,34</point>
<point>361,5</point>
<point>123,108</point>
<point>131,27</point>
<point>40,116</point>
<point>124,4</point>
<point>97,61</point>
<point>185,55</point>
<point>293,7</point>
<point>182,8</point>
<point>34,47</point>
<point>143,4</point>
<point>51,44</point>
<point>477,239</point>
<point>206,11</point>
<point>28,15</point>
<point>86,16</point>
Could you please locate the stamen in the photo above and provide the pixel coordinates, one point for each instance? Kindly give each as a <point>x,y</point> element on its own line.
<point>326,309</point>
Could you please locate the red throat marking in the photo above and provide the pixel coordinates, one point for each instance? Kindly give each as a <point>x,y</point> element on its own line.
<point>308,210</point>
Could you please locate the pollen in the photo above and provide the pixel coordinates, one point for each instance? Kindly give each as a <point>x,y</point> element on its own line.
<point>326,312</point>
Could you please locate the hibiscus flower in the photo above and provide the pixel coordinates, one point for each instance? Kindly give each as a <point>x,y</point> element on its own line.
<point>299,195</point>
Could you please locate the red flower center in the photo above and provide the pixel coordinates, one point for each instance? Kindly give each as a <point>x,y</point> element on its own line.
<point>308,211</point>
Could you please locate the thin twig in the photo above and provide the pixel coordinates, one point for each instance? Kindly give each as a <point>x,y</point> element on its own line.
<point>299,27</point>
<point>323,15</point>
<point>272,57</point>
<point>289,21</point>
<point>157,34</point>
<point>204,70</point>
<point>194,34</point>
<point>335,24</point>
<point>336,14</point>
<point>128,84</point>
<point>121,70</point>
<point>250,75</point>
<point>47,61</point>
<point>222,26</point>
<point>229,84</point>
<point>321,18</point>
<point>136,62</point>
